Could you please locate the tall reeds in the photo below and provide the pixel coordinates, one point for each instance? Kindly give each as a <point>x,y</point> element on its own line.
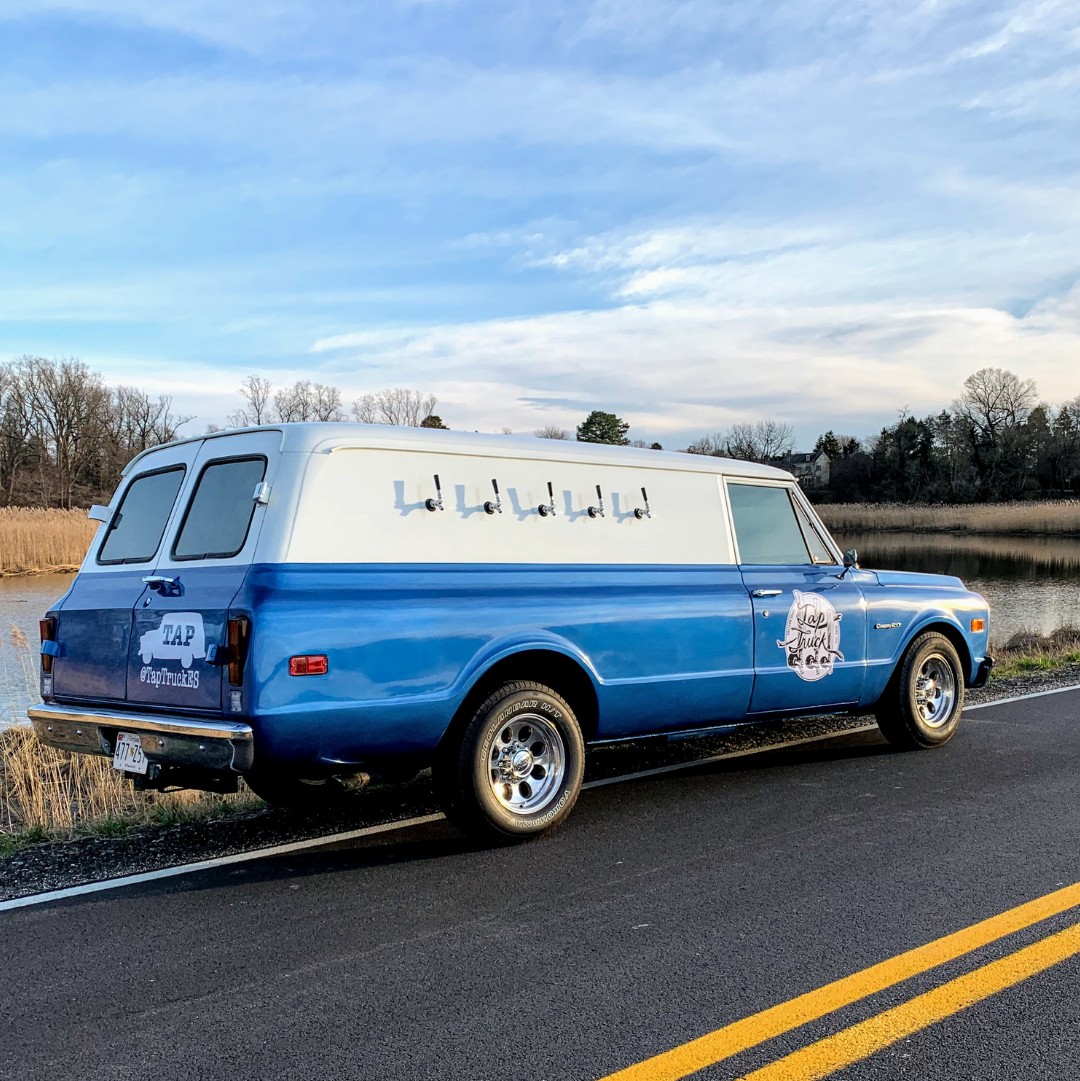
<point>34,539</point>
<point>1056,518</point>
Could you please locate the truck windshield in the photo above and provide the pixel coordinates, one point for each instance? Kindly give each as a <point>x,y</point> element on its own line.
<point>219,514</point>
<point>136,528</point>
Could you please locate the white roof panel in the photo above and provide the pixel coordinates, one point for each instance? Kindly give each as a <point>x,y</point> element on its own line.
<point>327,437</point>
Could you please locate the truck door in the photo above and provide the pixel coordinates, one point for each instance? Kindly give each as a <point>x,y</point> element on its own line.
<point>809,623</point>
<point>94,622</point>
<point>183,611</point>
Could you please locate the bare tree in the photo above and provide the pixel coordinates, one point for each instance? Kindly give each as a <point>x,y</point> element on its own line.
<point>760,441</point>
<point>139,422</point>
<point>399,405</point>
<point>551,431</point>
<point>326,403</point>
<point>16,428</point>
<point>304,401</point>
<point>256,391</point>
<point>68,402</point>
<point>709,444</point>
<point>995,399</point>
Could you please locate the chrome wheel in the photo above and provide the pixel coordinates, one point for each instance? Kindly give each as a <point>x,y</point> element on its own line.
<point>526,764</point>
<point>935,691</point>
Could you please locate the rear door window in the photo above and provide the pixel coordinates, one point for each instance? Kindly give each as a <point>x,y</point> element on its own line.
<point>136,528</point>
<point>219,515</point>
<point>766,527</point>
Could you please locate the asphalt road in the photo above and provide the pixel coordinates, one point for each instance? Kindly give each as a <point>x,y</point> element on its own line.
<point>665,908</point>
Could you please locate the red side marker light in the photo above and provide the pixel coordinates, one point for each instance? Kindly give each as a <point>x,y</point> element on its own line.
<point>312,664</point>
<point>978,625</point>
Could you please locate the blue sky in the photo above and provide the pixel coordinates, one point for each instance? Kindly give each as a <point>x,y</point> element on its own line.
<point>690,213</point>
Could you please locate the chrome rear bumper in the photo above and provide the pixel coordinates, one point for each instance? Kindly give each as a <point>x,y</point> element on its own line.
<point>166,740</point>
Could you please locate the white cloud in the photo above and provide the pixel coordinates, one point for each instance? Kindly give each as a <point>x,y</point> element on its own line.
<point>675,369</point>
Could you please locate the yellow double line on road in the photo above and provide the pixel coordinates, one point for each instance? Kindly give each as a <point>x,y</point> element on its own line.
<point>852,1044</point>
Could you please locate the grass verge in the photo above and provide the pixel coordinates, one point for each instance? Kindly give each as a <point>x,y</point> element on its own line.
<point>48,795</point>
<point>1027,654</point>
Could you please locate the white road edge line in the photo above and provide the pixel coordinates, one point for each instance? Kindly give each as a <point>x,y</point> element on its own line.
<point>1022,697</point>
<point>334,838</point>
<point>730,754</point>
<point>204,865</point>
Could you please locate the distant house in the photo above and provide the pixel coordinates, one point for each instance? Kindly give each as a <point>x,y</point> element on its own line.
<point>811,470</point>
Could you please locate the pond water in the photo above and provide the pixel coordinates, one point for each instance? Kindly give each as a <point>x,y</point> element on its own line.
<point>1032,583</point>
<point>23,601</point>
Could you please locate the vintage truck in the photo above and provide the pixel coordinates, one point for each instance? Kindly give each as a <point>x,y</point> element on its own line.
<point>301,604</point>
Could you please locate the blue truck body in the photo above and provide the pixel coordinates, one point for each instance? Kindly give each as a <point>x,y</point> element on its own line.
<point>640,648</point>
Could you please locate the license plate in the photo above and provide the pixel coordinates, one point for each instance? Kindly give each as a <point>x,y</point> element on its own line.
<point>128,755</point>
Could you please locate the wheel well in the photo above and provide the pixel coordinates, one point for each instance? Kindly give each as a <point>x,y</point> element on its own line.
<point>957,639</point>
<point>554,670</point>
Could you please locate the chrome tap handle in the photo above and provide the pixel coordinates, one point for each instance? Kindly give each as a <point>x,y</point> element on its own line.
<point>435,504</point>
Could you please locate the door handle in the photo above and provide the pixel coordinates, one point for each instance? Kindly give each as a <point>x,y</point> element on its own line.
<point>167,587</point>
<point>767,592</point>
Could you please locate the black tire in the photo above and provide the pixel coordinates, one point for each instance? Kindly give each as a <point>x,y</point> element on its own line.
<point>301,794</point>
<point>506,790</point>
<point>906,712</point>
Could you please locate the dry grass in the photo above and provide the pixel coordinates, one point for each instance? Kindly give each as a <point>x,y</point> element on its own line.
<point>33,540</point>
<point>47,794</point>
<point>1058,518</point>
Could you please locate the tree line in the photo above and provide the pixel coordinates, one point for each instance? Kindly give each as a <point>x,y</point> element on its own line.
<point>65,436</point>
<point>996,442</point>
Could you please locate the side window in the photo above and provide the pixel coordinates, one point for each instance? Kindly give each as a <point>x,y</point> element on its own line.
<point>219,514</point>
<point>765,525</point>
<point>819,552</point>
<point>139,522</point>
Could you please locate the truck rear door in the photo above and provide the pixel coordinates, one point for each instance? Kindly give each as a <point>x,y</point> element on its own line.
<point>94,621</point>
<point>184,609</point>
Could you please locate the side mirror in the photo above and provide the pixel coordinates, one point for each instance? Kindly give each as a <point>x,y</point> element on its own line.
<point>851,558</point>
<point>98,513</point>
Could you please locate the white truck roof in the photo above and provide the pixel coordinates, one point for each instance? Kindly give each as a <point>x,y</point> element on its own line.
<point>315,437</point>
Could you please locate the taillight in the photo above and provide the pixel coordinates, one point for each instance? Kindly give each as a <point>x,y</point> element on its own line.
<point>311,664</point>
<point>238,642</point>
<point>47,627</point>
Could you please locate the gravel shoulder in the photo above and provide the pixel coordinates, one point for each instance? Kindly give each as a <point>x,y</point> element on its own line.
<point>58,865</point>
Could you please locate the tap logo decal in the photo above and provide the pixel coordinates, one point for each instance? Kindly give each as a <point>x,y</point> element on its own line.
<point>812,636</point>
<point>179,637</point>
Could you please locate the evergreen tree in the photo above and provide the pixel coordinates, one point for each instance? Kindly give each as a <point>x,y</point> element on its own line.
<point>600,427</point>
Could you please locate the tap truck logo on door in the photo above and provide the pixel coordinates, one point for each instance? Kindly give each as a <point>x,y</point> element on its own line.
<point>180,637</point>
<point>812,636</point>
